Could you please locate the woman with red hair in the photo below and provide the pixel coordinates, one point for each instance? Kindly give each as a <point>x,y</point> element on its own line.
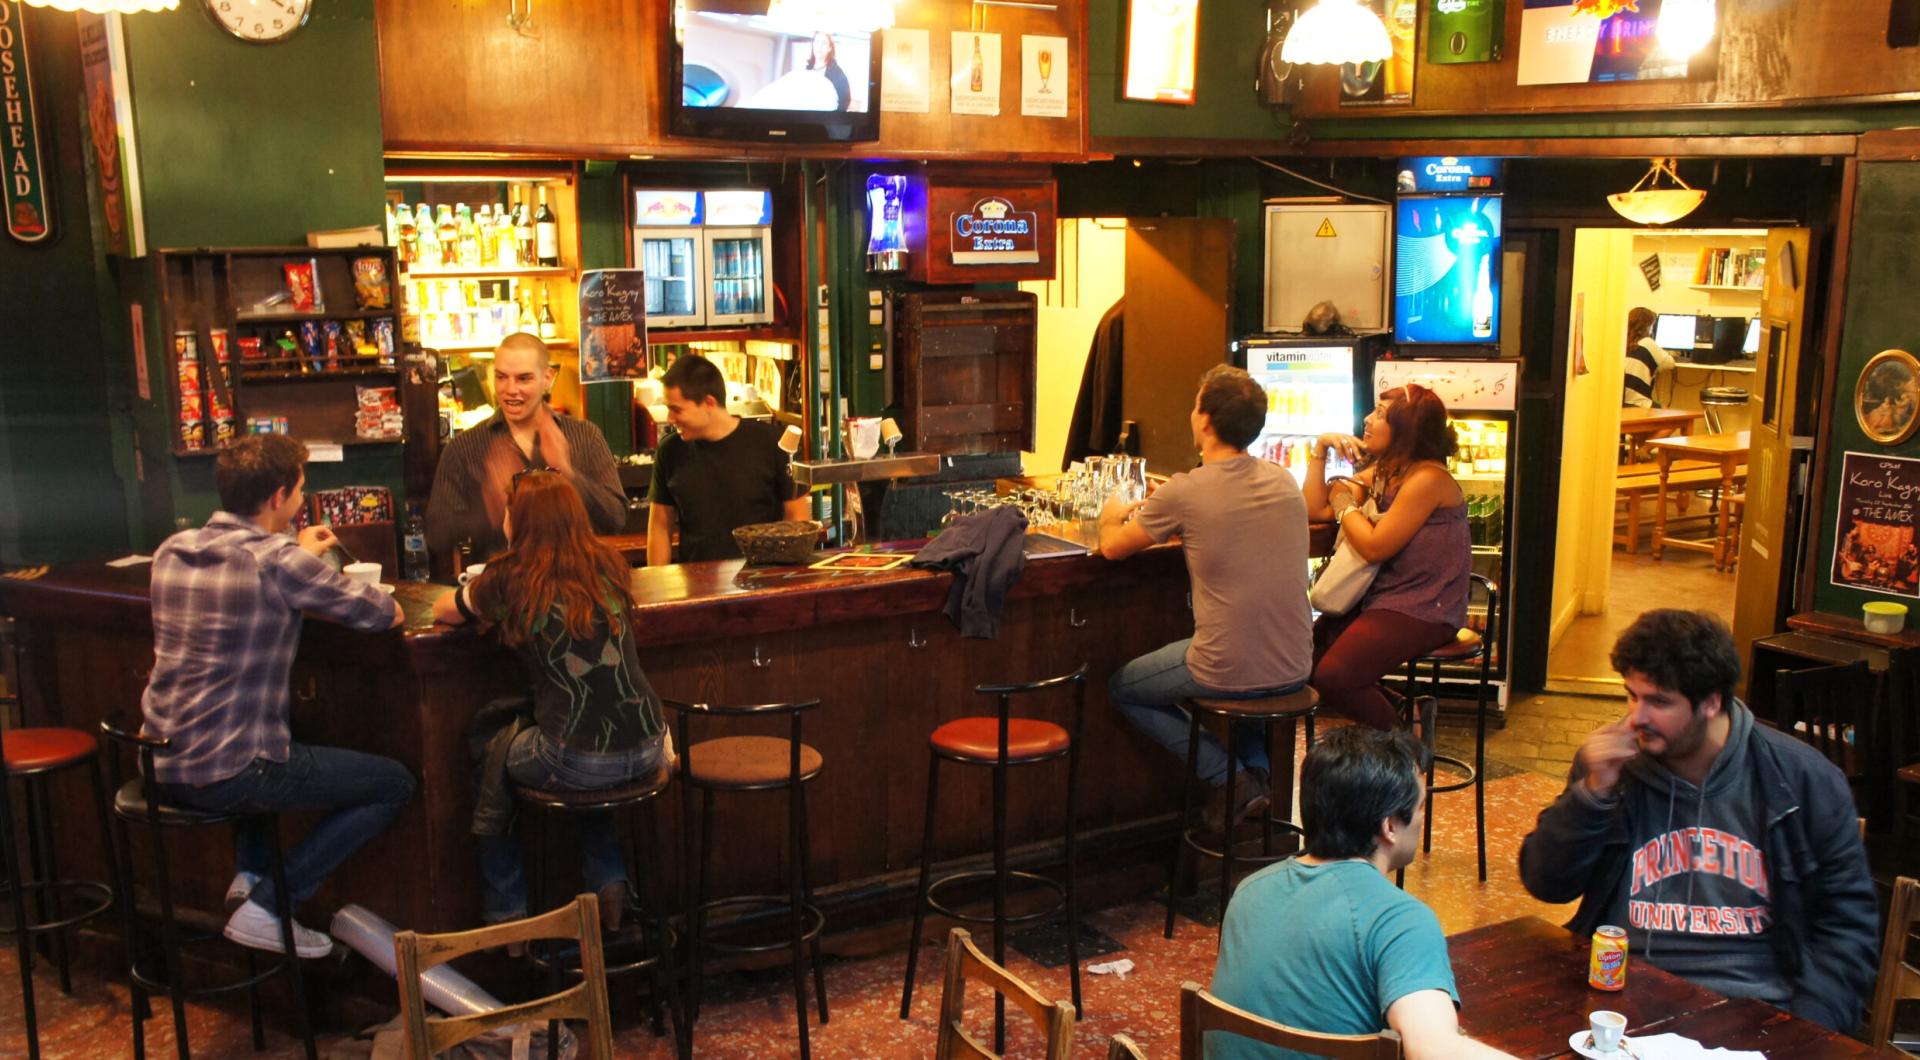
<point>559,597</point>
<point>1418,600</point>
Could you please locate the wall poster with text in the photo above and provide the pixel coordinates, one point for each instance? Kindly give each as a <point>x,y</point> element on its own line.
<point>1387,83</point>
<point>613,325</point>
<point>1874,547</point>
<point>1574,42</point>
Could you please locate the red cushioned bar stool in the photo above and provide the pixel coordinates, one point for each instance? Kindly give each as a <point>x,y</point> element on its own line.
<point>1002,742</point>
<point>747,763</point>
<point>33,755</point>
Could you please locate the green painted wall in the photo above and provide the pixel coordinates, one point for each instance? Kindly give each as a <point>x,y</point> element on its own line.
<point>1224,105</point>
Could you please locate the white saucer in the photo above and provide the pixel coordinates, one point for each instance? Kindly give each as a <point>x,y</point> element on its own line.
<point>1582,1042</point>
<point>386,587</point>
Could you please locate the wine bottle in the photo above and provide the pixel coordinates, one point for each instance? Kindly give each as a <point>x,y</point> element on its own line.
<point>522,229</point>
<point>546,234</point>
<point>549,328</point>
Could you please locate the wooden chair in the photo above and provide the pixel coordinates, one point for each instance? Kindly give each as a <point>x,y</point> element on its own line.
<point>1898,979</point>
<point>1121,1047</point>
<point>964,962</point>
<point>1201,1012</point>
<point>1831,709</point>
<point>587,999</point>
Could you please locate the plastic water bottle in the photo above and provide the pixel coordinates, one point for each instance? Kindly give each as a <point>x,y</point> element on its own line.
<point>415,564</point>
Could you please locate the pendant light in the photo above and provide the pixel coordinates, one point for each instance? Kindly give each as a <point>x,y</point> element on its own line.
<point>1337,31</point>
<point>1648,203</point>
<point>107,7</point>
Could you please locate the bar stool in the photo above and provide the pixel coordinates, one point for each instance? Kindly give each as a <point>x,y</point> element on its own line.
<point>1466,647</point>
<point>1715,401</point>
<point>742,764</point>
<point>657,940</point>
<point>31,756</point>
<point>138,801</point>
<point>1002,742</point>
<point>1289,705</point>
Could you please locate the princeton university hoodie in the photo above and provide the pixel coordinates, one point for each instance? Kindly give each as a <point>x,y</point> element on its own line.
<point>1753,885</point>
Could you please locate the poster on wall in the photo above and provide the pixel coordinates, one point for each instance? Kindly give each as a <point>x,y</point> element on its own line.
<point>1044,77</point>
<point>1163,39</point>
<point>613,325</point>
<point>1465,31</point>
<point>28,202</point>
<point>906,71</point>
<point>1874,549</point>
<point>1574,42</point>
<point>976,73</point>
<point>1388,83</point>
<point>1446,279</point>
<point>109,131</point>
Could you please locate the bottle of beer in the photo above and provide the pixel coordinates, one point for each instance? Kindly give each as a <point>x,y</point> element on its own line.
<point>549,328</point>
<point>546,234</point>
<point>415,566</point>
<point>522,229</point>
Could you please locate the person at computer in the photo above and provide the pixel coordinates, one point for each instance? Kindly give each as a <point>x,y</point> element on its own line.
<point>1645,360</point>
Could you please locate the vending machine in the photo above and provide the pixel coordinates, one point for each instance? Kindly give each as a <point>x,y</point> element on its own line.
<point>706,255</point>
<point>1311,383</point>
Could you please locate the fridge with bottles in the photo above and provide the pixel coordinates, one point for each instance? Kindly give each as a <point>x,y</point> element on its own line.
<point>707,256</point>
<point>1311,383</point>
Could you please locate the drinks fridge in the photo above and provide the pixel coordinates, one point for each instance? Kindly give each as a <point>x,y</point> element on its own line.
<point>707,256</point>
<point>1481,397</point>
<point>1310,384</point>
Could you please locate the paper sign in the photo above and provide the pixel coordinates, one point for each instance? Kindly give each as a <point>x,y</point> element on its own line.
<point>1044,77</point>
<point>1650,268</point>
<point>976,73</point>
<point>613,325</point>
<point>1873,536</point>
<point>906,72</point>
<point>325,453</point>
<point>1463,386</point>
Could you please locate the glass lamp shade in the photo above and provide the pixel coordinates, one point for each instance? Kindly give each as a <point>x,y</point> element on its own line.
<point>107,7</point>
<point>1656,207</point>
<point>1337,31</point>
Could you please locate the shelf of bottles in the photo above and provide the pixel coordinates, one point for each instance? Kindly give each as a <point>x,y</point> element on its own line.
<point>1480,466</point>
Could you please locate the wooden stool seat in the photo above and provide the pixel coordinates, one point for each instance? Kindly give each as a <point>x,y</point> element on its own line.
<point>748,762</point>
<point>1295,704</point>
<point>595,798</point>
<point>1465,646</point>
<point>130,802</point>
<point>977,739</point>
<point>35,750</point>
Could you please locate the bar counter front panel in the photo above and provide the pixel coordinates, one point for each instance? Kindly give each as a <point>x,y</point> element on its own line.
<point>886,664</point>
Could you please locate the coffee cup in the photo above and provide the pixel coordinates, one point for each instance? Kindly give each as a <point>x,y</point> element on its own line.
<point>363,572</point>
<point>1607,1028</point>
<point>473,571</point>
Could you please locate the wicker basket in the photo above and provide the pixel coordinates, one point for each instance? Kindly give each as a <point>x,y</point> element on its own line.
<point>778,544</point>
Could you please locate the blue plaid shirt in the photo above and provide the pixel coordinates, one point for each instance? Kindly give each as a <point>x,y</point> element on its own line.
<point>227,602</point>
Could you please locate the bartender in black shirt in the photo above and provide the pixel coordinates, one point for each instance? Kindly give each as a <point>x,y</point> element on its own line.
<point>719,472</point>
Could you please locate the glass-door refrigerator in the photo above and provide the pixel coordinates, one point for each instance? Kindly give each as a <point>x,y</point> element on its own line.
<point>667,244</point>
<point>1481,395</point>
<point>738,238</point>
<point>1310,382</point>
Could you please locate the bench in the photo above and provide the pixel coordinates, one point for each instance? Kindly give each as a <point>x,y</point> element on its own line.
<point>1634,483</point>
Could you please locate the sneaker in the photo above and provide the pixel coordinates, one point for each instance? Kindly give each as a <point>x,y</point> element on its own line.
<point>1250,796</point>
<point>255,928</point>
<point>242,886</point>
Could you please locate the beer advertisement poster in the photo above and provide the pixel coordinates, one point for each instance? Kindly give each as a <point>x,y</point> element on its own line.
<point>1386,83</point>
<point>28,204</point>
<point>1465,31</point>
<point>1874,549</point>
<point>613,325</point>
<point>906,71</point>
<point>1044,76</point>
<point>1162,46</point>
<point>976,74</point>
<point>1575,42</point>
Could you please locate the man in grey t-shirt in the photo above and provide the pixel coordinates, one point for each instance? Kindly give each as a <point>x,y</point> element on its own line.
<point>1242,523</point>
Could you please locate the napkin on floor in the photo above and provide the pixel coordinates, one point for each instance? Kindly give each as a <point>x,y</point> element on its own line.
<point>1681,1047</point>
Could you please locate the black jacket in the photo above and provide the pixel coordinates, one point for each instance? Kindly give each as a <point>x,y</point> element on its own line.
<point>1825,920</point>
<point>986,553</point>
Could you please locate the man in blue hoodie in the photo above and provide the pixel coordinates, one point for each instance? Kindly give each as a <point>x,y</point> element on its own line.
<point>1728,851</point>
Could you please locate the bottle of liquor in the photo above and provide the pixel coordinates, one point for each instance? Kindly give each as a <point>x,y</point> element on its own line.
<point>546,234</point>
<point>449,232</point>
<point>408,240</point>
<point>469,236</point>
<point>549,328</point>
<point>503,254</point>
<point>428,233</point>
<point>415,566</point>
<point>522,229</point>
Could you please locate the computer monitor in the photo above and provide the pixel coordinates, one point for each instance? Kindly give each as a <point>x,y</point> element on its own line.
<point>1728,335</point>
<point>1675,331</point>
<point>1752,346</point>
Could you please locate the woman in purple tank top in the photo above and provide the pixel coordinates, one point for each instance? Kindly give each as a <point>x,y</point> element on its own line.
<point>1418,600</point>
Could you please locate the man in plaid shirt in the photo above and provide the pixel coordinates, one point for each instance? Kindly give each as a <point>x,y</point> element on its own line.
<point>227,604</point>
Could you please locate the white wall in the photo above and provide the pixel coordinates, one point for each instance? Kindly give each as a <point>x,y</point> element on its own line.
<point>1089,276</point>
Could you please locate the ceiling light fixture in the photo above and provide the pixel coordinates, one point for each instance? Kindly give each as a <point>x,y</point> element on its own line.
<point>107,7</point>
<point>1648,203</point>
<point>1337,31</point>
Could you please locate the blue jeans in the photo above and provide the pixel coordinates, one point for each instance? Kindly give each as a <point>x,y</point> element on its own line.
<point>365,792</point>
<point>537,762</point>
<point>1145,692</point>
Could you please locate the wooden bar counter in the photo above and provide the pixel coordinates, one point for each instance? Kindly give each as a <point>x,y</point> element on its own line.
<point>874,648</point>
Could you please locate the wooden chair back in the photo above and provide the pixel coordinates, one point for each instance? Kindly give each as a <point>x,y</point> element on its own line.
<point>579,920</point>
<point>1831,709</point>
<point>964,962</point>
<point>1899,979</point>
<point>1201,1013</point>
<point>1121,1047</point>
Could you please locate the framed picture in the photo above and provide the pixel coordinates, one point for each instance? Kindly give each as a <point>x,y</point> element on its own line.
<point>1162,46</point>
<point>1887,399</point>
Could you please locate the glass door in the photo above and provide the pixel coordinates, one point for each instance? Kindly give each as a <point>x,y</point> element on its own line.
<point>672,264</point>
<point>740,291</point>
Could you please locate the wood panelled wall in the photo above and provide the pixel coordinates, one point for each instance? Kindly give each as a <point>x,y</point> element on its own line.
<point>588,79</point>
<point>1771,53</point>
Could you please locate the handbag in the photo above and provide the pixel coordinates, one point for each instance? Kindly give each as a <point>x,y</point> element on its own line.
<point>1346,577</point>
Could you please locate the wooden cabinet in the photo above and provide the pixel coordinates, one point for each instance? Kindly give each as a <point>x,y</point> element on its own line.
<point>967,370</point>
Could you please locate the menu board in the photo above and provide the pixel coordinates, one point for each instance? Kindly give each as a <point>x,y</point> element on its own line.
<point>1874,548</point>
<point>613,325</point>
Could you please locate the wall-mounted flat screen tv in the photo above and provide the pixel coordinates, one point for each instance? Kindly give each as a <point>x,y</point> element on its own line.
<point>739,73</point>
<point>1446,270</point>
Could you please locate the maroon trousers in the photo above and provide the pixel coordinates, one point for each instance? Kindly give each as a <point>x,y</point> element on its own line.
<point>1352,652</point>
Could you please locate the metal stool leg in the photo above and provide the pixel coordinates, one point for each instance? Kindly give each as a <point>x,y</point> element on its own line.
<point>1433,742</point>
<point>169,936</point>
<point>1227,832</point>
<point>1000,901</point>
<point>701,875</point>
<point>1073,907</point>
<point>283,907</point>
<point>653,939</point>
<point>1186,814</point>
<point>657,913</point>
<point>806,887</point>
<point>23,939</point>
<point>48,869</point>
<point>926,877</point>
<point>796,928</point>
<point>1480,770</point>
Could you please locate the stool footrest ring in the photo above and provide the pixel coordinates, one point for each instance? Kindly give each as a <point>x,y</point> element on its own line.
<point>1058,888</point>
<point>816,921</point>
<point>1191,837</point>
<point>101,899</point>
<point>1472,776</point>
<point>571,967</point>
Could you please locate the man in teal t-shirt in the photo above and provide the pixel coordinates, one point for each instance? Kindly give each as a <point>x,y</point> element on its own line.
<point>1324,941</point>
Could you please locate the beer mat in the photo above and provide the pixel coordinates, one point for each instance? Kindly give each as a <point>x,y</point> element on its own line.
<point>124,561</point>
<point>864,562</point>
<point>1042,546</point>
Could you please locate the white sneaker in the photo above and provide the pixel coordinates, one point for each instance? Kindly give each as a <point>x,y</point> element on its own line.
<point>253,926</point>
<point>242,886</point>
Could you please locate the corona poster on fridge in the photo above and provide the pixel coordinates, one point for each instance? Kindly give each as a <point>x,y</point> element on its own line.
<point>1446,270</point>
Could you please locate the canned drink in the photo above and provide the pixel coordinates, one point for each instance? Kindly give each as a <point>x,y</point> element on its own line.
<point>1607,967</point>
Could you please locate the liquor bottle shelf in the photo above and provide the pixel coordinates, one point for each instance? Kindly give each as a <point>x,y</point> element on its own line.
<point>295,318</point>
<point>530,271</point>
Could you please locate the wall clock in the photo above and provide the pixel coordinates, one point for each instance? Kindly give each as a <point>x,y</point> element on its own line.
<point>259,21</point>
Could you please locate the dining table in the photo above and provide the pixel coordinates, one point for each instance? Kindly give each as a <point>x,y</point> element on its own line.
<point>1638,425</point>
<point>1728,452</point>
<point>1523,989</point>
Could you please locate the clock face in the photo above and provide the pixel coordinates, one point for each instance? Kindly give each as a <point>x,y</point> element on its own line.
<point>260,21</point>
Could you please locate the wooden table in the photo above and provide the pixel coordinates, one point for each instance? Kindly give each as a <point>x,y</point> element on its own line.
<point>1523,988</point>
<point>1639,425</point>
<point>1728,451</point>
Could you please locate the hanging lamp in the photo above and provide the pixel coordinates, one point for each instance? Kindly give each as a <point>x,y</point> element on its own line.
<point>1648,203</point>
<point>1337,31</point>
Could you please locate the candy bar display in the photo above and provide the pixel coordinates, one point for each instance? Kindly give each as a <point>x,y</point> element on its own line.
<point>193,422</point>
<point>303,287</point>
<point>377,415</point>
<point>354,505</point>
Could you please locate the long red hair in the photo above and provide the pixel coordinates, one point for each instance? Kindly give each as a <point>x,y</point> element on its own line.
<point>554,560</point>
<point>1419,428</point>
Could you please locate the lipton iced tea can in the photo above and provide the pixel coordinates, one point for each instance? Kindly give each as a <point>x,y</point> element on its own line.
<point>1607,967</point>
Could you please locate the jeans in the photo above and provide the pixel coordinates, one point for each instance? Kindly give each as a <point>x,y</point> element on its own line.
<point>537,762</point>
<point>1351,653</point>
<point>365,792</point>
<point>1145,692</point>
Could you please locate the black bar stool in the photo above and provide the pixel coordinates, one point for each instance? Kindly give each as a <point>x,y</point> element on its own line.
<point>31,756</point>
<point>656,940</point>
<point>1468,646</point>
<point>1001,742</point>
<point>754,763</point>
<point>138,801</point>
<point>1291,705</point>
